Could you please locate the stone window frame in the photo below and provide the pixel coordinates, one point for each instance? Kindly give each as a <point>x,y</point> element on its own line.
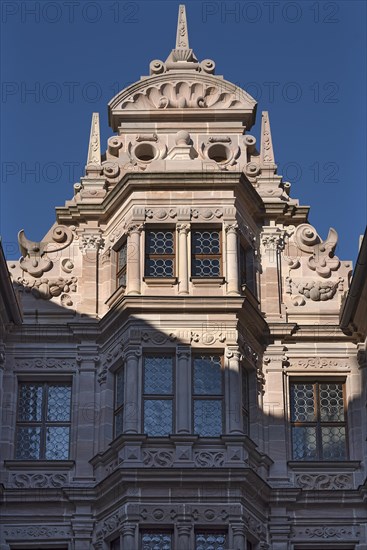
<point>207,227</point>
<point>44,423</point>
<point>159,227</point>
<point>169,352</point>
<point>317,380</point>
<point>200,352</point>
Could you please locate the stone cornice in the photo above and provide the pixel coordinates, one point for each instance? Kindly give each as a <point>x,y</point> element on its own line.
<point>159,181</point>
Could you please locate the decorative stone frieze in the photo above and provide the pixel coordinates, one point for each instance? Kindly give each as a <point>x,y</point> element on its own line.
<point>327,482</point>
<point>38,480</point>
<point>158,458</point>
<point>36,532</point>
<point>319,363</point>
<point>316,291</point>
<point>157,337</point>
<point>325,532</point>
<point>209,459</point>
<point>45,363</point>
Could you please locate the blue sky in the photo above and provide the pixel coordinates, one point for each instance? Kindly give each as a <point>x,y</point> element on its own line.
<point>304,62</point>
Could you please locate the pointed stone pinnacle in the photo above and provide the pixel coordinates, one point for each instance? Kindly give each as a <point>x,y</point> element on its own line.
<point>94,151</point>
<point>266,149</point>
<point>182,37</point>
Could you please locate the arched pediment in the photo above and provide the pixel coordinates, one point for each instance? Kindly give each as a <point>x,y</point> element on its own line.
<point>183,96</point>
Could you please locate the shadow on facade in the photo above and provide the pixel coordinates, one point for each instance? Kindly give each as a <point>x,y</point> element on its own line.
<point>115,488</point>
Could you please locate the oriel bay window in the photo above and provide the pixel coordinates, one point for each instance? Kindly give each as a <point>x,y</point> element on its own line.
<point>318,420</point>
<point>159,253</point>
<point>43,421</point>
<point>158,384</point>
<point>207,395</point>
<point>206,252</point>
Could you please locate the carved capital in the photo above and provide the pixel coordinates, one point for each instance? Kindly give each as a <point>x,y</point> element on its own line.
<point>91,241</point>
<point>135,228</point>
<point>231,228</point>
<point>183,228</point>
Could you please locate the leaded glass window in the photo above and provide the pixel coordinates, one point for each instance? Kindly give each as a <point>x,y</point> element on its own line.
<point>158,386</point>
<point>206,253</point>
<point>208,395</point>
<point>156,541</point>
<point>119,401</point>
<point>122,265</point>
<point>211,541</point>
<point>159,253</point>
<point>247,267</point>
<point>43,421</point>
<point>318,421</point>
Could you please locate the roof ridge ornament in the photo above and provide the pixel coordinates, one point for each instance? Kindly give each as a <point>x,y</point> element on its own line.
<point>182,57</point>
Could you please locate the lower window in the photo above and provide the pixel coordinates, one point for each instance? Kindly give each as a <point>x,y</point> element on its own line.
<point>211,541</point>
<point>43,421</point>
<point>318,420</point>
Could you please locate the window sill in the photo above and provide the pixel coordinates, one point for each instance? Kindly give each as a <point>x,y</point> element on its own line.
<point>39,464</point>
<point>160,281</point>
<point>119,292</point>
<point>324,465</point>
<point>207,281</point>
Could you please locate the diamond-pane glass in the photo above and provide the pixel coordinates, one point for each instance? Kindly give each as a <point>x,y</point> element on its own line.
<point>58,403</point>
<point>333,443</point>
<point>160,242</point>
<point>30,402</point>
<point>119,388</point>
<point>156,541</point>
<point>304,443</point>
<point>206,267</point>
<point>206,242</point>
<point>28,444</point>
<point>208,417</point>
<point>303,402</point>
<point>207,375</point>
<point>57,443</point>
<point>331,402</point>
<point>210,541</point>
<point>159,267</point>
<point>158,417</point>
<point>158,374</point>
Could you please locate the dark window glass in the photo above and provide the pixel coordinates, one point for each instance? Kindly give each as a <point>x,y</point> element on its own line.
<point>122,265</point>
<point>318,421</point>
<point>208,395</point>
<point>43,422</point>
<point>156,541</point>
<point>158,390</point>
<point>211,541</point>
<point>159,254</point>
<point>206,253</point>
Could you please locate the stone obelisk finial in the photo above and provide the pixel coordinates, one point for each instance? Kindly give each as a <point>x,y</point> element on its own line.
<point>94,151</point>
<point>94,167</point>
<point>266,148</point>
<point>182,36</point>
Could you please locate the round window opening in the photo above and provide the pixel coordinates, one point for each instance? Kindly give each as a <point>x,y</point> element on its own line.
<point>145,152</point>
<point>219,153</point>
